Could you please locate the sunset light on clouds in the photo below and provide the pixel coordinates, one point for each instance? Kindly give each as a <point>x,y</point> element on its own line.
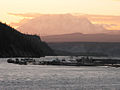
<point>105,13</point>
<point>59,44</point>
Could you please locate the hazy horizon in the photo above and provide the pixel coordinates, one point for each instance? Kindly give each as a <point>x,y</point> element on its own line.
<point>52,17</point>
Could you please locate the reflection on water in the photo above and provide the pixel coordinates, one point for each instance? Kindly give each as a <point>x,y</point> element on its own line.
<point>38,77</point>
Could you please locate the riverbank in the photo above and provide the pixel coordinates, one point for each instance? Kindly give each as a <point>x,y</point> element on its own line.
<point>71,61</point>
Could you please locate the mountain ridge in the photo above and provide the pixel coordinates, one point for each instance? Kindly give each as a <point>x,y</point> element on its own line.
<point>79,37</point>
<point>16,44</point>
<point>60,24</point>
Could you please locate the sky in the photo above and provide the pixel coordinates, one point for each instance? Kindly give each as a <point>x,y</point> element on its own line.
<point>93,8</point>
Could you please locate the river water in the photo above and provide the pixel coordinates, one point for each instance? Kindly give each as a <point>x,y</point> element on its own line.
<point>43,77</point>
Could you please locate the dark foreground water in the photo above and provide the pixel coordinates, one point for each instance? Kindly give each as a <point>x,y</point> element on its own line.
<point>38,77</point>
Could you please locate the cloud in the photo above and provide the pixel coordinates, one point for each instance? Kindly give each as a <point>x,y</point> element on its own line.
<point>60,24</point>
<point>108,26</point>
<point>17,24</point>
<point>108,21</point>
<point>26,14</point>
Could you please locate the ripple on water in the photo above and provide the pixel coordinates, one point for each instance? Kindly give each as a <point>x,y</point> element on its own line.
<point>38,77</point>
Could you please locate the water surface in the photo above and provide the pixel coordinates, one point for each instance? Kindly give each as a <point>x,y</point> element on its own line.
<point>39,77</point>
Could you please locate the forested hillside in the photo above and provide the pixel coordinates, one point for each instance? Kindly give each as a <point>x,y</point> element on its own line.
<point>87,48</point>
<point>15,44</point>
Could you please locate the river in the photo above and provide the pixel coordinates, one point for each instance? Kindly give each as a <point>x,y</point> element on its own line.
<point>43,77</point>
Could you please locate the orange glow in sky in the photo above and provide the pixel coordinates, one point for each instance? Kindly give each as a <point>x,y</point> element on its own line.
<point>93,7</point>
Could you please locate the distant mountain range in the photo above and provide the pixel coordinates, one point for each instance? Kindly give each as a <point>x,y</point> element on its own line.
<point>56,24</point>
<point>79,37</point>
<point>68,25</point>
